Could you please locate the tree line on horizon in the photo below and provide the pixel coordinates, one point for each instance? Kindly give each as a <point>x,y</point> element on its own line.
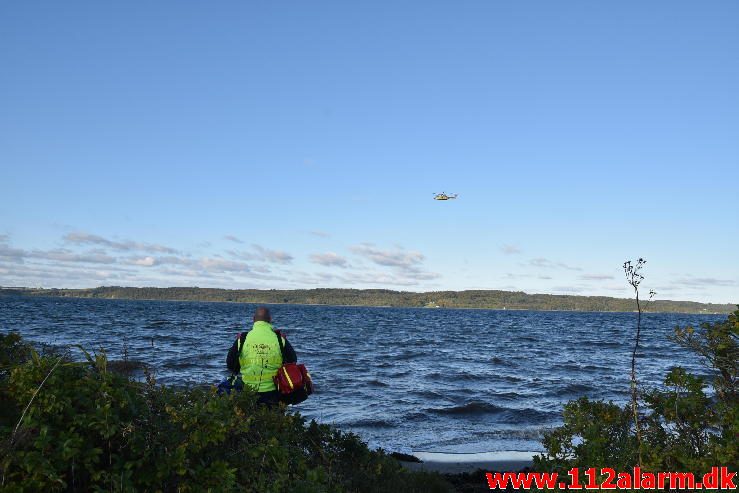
<point>484,299</point>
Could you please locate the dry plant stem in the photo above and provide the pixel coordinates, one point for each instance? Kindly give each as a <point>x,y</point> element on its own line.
<point>634,394</point>
<point>634,278</point>
<point>18,425</point>
<point>12,437</point>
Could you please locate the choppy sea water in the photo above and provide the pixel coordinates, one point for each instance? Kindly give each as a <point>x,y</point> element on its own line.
<point>404,379</point>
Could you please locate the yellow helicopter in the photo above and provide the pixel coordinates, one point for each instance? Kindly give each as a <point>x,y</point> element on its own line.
<point>443,196</point>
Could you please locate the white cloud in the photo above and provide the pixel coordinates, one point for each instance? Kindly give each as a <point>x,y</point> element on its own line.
<point>57,255</point>
<point>262,254</point>
<point>567,289</point>
<point>221,265</point>
<point>550,264</point>
<point>243,255</point>
<point>701,282</point>
<point>353,279</point>
<point>406,264</point>
<point>392,258</point>
<point>510,249</point>
<point>329,259</point>
<point>67,275</point>
<point>160,265</point>
<point>64,255</point>
<point>274,256</point>
<point>144,261</point>
<point>596,277</point>
<point>9,252</point>
<point>82,238</point>
<point>201,265</point>
<point>232,238</point>
<point>419,275</point>
<point>79,275</point>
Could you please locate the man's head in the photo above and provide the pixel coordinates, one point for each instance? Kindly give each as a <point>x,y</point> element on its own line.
<point>262,314</point>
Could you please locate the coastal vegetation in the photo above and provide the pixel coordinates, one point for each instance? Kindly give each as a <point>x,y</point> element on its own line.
<point>69,425</point>
<point>689,424</point>
<point>80,426</point>
<point>488,299</point>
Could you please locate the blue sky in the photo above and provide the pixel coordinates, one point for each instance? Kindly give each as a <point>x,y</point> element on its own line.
<point>298,144</point>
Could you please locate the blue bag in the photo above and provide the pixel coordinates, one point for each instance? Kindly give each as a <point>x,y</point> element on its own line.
<point>233,382</point>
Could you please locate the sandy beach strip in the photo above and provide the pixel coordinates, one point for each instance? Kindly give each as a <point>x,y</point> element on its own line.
<point>446,463</point>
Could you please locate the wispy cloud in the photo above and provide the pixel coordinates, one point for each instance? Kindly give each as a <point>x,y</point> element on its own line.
<point>406,263</point>
<point>420,275</point>
<point>210,264</point>
<point>511,275</point>
<point>64,255</point>
<point>545,263</point>
<point>232,238</point>
<point>596,277</point>
<point>259,253</point>
<point>9,252</point>
<point>567,289</point>
<point>392,258</point>
<point>55,255</point>
<point>320,234</point>
<point>137,263</point>
<point>354,279</point>
<point>82,238</point>
<point>141,261</point>
<point>618,287</point>
<point>274,256</point>
<point>511,249</point>
<point>329,259</point>
<point>701,282</point>
<point>55,275</point>
<point>213,272</point>
<point>202,264</point>
<point>262,269</point>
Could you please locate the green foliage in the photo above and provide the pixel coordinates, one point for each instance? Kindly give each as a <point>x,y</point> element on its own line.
<point>717,345</point>
<point>92,429</point>
<point>492,299</point>
<point>684,429</point>
<point>594,434</point>
<point>679,428</point>
<point>13,351</point>
<point>693,430</point>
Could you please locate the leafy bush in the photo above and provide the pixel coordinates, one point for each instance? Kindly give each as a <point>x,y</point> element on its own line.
<point>683,428</point>
<point>594,434</point>
<point>91,429</point>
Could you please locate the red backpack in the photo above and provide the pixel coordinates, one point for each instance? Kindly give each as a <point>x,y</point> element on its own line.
<point>292,380</point>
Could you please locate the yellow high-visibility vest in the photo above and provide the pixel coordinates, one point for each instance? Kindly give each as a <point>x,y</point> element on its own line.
<point>260,358</point>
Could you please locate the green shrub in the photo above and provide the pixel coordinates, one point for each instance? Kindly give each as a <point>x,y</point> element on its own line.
<point>594,434</point>
<point>91,429</point>
<point>13,351</point>
<point>683,428</point>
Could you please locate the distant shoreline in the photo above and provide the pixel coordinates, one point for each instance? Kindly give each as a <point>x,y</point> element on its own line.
<point>363,306</point>
<point>382,298</point>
